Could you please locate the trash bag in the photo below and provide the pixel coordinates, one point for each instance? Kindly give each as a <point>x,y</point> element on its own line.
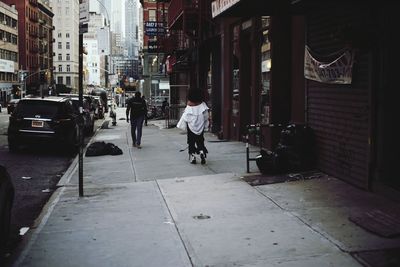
<point>267,162</point>
<point>297,144</point>
<point>101,148</point>
<point>113,149</point>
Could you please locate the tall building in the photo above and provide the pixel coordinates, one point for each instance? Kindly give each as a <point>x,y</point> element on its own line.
<point>132,28</point>
<point>28,41</point>
<point>8,53</point>
<point>46,47</point>
<point>96,63</point>
<point>66,45</point>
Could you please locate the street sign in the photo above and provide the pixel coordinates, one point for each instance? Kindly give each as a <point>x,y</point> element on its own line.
<point>84,12</point>
<point>154,28</point>
<point>83,28</point>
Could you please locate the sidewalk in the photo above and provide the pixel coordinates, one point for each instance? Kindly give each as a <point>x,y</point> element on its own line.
<point>150,207</point>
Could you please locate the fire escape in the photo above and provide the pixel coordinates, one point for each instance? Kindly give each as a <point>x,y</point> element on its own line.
<point>183,33</point>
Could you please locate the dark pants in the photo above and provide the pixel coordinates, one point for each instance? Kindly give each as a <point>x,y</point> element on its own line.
<point>136,129</point>
<point>195,142</point>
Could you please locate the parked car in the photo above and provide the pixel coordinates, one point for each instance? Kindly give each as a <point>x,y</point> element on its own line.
<point>11,105</point>
<point>48,119</point>
<point>88,114</point>
<point>99,108</point>
<point>6,203</point>
<point>102,94</point>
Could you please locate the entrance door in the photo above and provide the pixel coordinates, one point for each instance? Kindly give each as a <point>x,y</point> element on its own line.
<point>245,82</point>
<point>241,83</point>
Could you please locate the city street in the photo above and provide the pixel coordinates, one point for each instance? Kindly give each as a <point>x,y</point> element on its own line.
<point>35,172</point>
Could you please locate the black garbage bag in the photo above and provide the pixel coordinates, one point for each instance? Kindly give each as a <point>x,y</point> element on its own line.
<point>113,149</point>
<point>299,143</point>
<point>271,162</point>
<point>101,148</point>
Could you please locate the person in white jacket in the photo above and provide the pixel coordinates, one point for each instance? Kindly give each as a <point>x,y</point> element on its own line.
<point>195,121</point>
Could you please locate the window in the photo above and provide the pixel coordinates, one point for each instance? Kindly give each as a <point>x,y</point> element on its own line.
<point>152,15</point>
<point>68,57</point>
<point>67,35</point>
<point>59,45</point>
<point>60,68</point>
<point>68,45</point>
<point>59,57</point>
<point>59,35</point>
<point>68,69</point>
<point>68,80</point>
<point>60,80</point>
<point>265,71</point>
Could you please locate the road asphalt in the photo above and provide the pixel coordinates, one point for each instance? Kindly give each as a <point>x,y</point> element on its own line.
<point>151,207</point>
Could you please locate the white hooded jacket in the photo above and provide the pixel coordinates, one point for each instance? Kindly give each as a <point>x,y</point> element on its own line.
<point>196,117</point>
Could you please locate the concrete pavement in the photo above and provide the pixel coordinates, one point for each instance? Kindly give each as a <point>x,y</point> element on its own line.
<point>150,207</point>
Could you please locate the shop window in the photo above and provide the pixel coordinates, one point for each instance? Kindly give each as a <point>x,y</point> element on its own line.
<point>235,72</point>
<point>266,65</point>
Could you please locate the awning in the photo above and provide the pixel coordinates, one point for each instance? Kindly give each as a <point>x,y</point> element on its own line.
<point>249,8</point>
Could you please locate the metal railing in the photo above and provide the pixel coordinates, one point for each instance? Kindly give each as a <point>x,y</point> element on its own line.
<point>172,115</point>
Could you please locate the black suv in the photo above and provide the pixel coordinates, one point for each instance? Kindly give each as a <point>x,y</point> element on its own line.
<point>88,111</point>
<point>44,119</point>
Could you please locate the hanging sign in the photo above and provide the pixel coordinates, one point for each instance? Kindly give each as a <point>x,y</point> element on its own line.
<point>154,28</point>
<point>337,70</point>
<point>219,6</point>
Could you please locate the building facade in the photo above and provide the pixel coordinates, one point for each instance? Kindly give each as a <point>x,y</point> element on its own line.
<point>155,84</point>
<point>28,43</point>
<point>9,83</point>
<point>65,46</point>
<point>46,40</point>
<point>96,61</point>
<point>329,66</point>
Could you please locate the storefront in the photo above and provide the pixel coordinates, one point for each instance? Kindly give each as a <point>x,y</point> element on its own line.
<point>256,78</point>
<point>330,66</point>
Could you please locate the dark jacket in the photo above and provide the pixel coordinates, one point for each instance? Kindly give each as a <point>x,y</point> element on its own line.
<point>136,106</point>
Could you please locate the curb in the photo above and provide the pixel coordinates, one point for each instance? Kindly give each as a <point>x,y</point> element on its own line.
<point>64,180</point>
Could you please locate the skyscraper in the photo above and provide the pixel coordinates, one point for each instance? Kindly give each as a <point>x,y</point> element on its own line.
<point>132,28</point>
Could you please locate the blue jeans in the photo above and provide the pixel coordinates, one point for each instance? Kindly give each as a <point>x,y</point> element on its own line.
<point>136,129</point>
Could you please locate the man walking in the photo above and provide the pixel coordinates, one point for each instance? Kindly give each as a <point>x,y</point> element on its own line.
<point>136,109</point>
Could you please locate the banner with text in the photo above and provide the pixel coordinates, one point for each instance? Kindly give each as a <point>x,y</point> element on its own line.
<point>337,70</point>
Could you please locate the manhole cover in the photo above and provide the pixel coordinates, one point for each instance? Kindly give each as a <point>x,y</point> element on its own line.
<point>201,217</point>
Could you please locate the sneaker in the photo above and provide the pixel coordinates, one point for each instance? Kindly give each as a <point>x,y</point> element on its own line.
<point>134,145</point>
<point>138,146</point>
<point>203,157</point>
<point>192,158</point>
